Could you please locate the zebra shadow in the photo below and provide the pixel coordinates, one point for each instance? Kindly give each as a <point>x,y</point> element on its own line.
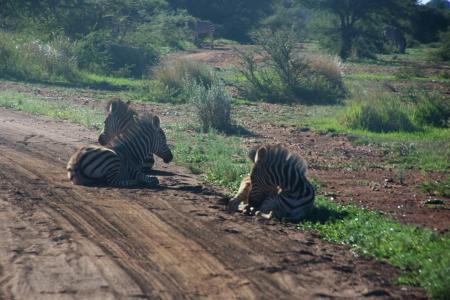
<point>239,130</point>
<point>159,172</point>
<point>324,215</point>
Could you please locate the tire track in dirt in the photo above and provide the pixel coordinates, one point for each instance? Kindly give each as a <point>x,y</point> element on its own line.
<point>173,242</point>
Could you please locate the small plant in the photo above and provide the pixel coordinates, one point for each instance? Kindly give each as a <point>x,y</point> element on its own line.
<point>384,113</point>
<point>275,72</point>
<point>172,75</point>
<point>212,104</point>
<point>409,72</point>
<point>437,188</point>
<point>23,58</point>
<point>433,110</point>
<point>443,52</point>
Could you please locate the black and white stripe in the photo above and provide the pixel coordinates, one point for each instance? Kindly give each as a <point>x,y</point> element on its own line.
<point>203,28</point>
<point>120,117</point>
<point>279,183</point>
<point>121,163</point>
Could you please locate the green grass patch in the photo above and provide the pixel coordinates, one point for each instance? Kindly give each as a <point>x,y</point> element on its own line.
<point>221,159</point>
<point>437,188</point>
<point>421,254</point>
<point>85,116</point>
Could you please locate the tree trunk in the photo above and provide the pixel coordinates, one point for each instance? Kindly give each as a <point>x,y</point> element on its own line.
<point>346,43</point>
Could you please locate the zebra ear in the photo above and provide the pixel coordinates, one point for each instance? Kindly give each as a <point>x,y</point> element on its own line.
<point>261,155</point>
<point>156,121</point>
<point>252,153</point>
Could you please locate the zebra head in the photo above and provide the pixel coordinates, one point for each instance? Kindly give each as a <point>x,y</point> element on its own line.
<point>158,144</point>
<point>120,116</point>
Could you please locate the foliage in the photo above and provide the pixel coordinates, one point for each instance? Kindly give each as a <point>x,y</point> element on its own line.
<point>443,53</point>
<point>172,76</point>
<point>422,254</point>
<point>235,19</point>
<point>383,114</point>
<point>212,104</point>
<point>438,188</point>
<point>277,73</point>
<point>351,19</point>
<point>433,110</point>
<point>30,59</point>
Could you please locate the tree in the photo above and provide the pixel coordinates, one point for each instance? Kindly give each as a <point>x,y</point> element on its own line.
<point>353,15</point>
<point>235,18</point>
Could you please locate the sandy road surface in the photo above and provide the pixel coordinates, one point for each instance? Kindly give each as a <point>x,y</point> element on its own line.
<point>60,241</point>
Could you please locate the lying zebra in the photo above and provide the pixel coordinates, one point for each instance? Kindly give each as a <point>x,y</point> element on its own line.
<point>120,117</point>
<point>277,186</point>
<point>121,163</point>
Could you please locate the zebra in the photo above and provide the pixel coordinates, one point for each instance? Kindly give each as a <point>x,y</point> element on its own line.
<point>120,164</point>
<point>277,186</point>
<point>120,117</point>
<point>396,36</point>
<point>202,28</point>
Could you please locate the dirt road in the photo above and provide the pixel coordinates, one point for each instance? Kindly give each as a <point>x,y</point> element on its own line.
<point>60,241</point>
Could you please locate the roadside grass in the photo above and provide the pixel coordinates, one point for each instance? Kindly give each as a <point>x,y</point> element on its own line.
<point>85,116</point>
<point>421,254</point>
<point>220,159</point>
<point>428,149</point>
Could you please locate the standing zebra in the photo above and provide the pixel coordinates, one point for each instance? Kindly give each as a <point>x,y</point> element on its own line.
<point>120,117</point>
<point>203,28</point>
<point>120,164</point>
<point>396,36</point>
<point>277,185</point>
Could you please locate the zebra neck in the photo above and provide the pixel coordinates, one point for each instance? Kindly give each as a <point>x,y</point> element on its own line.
<point>135,146</point>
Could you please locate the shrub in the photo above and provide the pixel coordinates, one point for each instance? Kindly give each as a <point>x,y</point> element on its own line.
<point>277,73</point>
<point>173,75</point>
<point>212,104</point>
<point>383,113</point>
<point>433,110</point>
<point>443,53</point>
<point>35,60</point>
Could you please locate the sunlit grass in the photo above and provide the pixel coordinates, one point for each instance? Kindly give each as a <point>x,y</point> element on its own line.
<point>86,116</point>
<point>421,254</point>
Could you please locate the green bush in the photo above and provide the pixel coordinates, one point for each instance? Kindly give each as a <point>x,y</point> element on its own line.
<point>433,110</point>
<point>23,58</point>
<point>212,104</point>
<point>275,72</point>
<point>382,113</point>
<point>172,77</point>
<point>443,53</point>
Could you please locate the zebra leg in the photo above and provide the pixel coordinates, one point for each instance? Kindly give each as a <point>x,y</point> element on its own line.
<point>240,201</point>
<point>148,180</point>
<point>267,207</point>
<point>148,164</point>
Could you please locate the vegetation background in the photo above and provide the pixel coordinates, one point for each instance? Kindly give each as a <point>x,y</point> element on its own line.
<point>374,70</point>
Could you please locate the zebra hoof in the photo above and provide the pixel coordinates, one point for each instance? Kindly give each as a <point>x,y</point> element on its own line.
<point>233,205</point>
<point>152,181</point>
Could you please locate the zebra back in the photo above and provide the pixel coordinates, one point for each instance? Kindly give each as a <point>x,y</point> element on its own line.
<point>203,28</point>
<point>141,139</point>
<point>279,177</point>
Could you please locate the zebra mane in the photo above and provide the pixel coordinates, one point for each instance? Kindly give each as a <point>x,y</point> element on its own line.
<point>281,152</point>
<point>119,105</point>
